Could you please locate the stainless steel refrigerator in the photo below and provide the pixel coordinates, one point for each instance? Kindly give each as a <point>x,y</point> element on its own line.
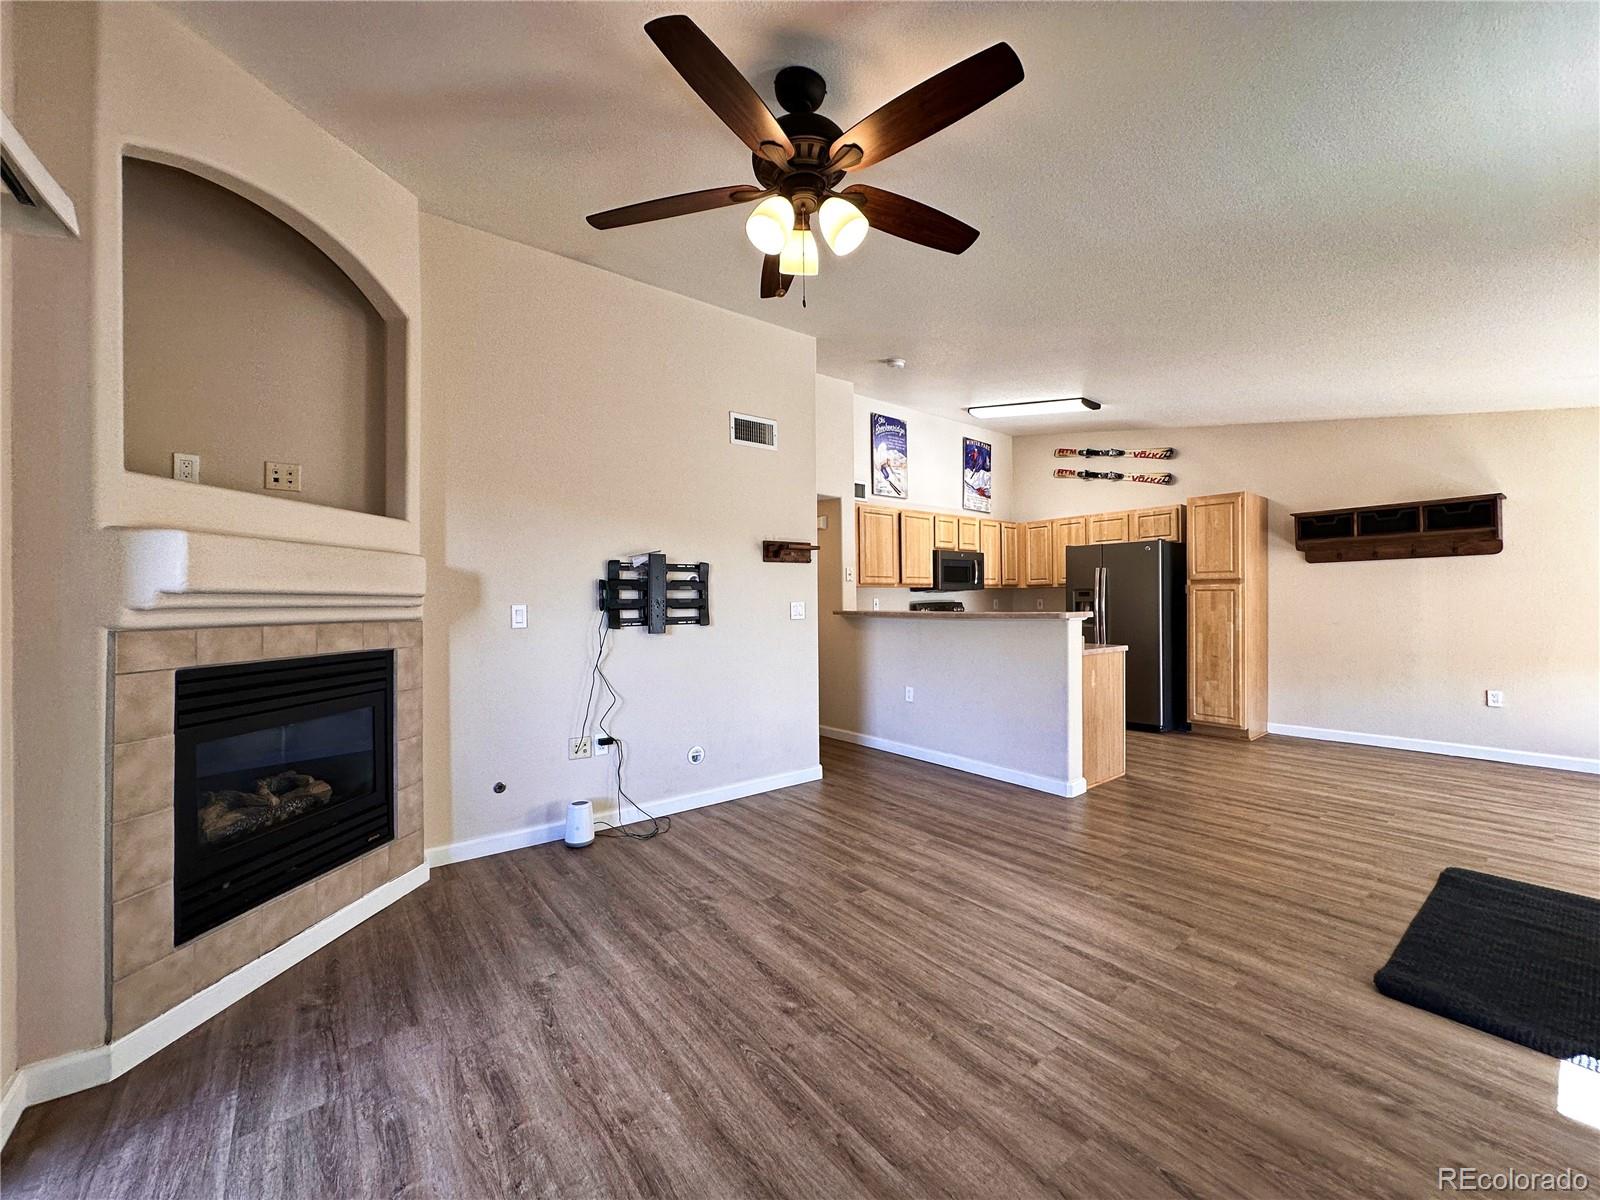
<point>1136,591</point>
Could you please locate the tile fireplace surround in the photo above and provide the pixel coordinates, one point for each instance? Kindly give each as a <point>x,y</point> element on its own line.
<point>149,974</point>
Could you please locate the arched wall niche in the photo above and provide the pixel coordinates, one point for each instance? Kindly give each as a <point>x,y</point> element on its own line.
<point>250,336</point>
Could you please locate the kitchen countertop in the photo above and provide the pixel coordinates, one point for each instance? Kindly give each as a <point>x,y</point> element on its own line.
<point>965,616</point>
<point>1091,648</point>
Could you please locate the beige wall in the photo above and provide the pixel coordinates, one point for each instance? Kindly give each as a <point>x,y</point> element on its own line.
<point>1403,649</point>
<point>242,343</point>
<point>8,915</point>
<point>575,416</point>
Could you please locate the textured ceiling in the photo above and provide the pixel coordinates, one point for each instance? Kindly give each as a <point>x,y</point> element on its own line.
<point>1194,213</point>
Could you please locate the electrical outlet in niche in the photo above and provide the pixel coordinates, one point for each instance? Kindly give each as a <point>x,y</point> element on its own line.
<point>281,477</point>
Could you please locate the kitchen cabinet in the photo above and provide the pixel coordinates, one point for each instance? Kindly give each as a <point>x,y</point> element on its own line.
<point>1227,549</point>
<point>877,546</point>
<point>945,533</point>
<point>989,545</point>
<point>1036,554</point>
<point>1064,532</point>
<point>1109,527</point>
<point>967,533</point>
<point>1105,714</point>
<point>1165,524</point>
<point>1216,536</point>
<point>1010,554</point>
<point>916,548</point>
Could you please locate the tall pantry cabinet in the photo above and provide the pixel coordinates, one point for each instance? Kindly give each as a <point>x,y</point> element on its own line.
<point>1227,549</point>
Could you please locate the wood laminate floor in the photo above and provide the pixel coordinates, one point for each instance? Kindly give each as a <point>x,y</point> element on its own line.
<point>900,981</point>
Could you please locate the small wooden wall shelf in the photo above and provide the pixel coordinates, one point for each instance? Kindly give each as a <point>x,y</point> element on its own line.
<point>787,552</point>
<point>1413,529</point>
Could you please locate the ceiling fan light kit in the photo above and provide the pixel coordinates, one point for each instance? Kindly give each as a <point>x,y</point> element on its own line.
<point>770,224</point>
<point>801,158</point>
<point>1033,408</point>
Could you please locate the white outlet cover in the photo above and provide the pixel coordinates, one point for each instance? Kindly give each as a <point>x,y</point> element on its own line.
<point>519,616</point>
<point>186,467</point>
<point>875,603</point>
<point>797,610</point>
<point>911,695</point>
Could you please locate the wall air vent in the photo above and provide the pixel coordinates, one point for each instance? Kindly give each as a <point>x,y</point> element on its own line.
<point>746,430</point>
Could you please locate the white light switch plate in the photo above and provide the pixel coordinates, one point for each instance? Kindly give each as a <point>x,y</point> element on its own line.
<point>797,610</point>
<point>519,616</point>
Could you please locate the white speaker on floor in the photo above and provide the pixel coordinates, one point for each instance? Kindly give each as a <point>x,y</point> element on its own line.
<point>580,824</point>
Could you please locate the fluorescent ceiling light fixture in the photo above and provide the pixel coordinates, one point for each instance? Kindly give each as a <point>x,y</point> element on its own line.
<point>1033,408</point>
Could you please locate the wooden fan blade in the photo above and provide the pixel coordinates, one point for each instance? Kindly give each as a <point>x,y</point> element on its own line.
<point>674,206</point>
<point>774,284</point>
<point>902,217</point>
<point>934,103</point>
<point>718,82</point>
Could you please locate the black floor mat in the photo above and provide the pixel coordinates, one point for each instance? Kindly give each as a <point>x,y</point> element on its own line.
<point>1515,960</point>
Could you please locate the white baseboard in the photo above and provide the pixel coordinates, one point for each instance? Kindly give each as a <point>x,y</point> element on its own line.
<point>956,762</point>
<point>538,835</point>
<point>55,1077</point>
<point>1525,758</point>
<point>11,1105</point>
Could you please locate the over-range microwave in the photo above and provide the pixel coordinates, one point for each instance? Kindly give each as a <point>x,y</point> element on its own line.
<point>956,571</point>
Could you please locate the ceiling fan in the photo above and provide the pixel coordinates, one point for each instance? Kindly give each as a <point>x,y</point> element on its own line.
<point>802,157</point>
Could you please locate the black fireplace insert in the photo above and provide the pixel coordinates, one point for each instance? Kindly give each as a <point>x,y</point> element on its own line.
<point>284,770</point>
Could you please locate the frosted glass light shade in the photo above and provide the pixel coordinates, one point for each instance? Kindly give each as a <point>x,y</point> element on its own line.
<point>769,225</point>
<point>799,255</point>
<point>844,226</point>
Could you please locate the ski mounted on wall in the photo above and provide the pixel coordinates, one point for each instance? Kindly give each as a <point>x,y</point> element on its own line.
<point>1147,452</point>
<point>1153,477</point>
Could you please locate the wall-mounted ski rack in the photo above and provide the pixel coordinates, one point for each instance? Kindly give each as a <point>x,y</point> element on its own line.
<point>656,593</point>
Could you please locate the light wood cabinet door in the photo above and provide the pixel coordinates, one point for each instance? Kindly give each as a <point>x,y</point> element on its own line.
<point>1036,554</point>
<point>1216,654</point>
<point>1165,524</point>
<point>1064,532</point>
<point>1010,554</point>
<point>877,546</point>
<point>989,546</point>
<point>1216,537</point>
<point>916,549</point>
<point>967,533</point>
<point>945,534</point>
<point>1109,527</point>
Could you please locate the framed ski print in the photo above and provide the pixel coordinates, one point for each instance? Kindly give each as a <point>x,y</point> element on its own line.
<point>888,456</point>
<point>977,475</point>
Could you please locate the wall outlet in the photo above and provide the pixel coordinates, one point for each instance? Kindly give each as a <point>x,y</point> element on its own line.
<point>1039,604</point>
<point>875,603</point>
<point>1494,699</point>
<point>580,747</point>
<point>911,695</point>
<point>995,604</point>
<point>797,610</point>
<point>280,477</point>
<point>186,467</point>
<point>519,616</point>
<point>849,574</point>
<point>601,747</point>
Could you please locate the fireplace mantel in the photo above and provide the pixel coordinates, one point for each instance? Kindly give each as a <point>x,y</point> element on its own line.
<point>178,575</point>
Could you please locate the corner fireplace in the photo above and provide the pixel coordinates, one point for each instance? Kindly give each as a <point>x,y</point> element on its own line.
<point>283,771</point>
